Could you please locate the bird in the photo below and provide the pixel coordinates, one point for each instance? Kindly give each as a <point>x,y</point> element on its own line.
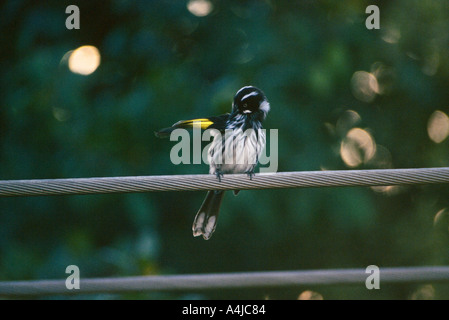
<point>238,142</point>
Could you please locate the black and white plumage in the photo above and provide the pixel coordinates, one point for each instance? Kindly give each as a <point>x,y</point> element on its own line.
<point>238,142</point>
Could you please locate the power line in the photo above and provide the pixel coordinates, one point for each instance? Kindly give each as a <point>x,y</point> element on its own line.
<point>302,179</point>
<point>197,282</point>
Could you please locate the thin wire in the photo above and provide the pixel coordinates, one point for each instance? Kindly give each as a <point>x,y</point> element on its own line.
<point>303,179</point>
<point>224,281</point>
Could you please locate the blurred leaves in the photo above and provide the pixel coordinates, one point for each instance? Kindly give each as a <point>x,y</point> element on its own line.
<point>159,64</point>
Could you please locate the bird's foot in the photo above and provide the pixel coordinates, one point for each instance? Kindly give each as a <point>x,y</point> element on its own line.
<point>250,174</point>
<point>219,175</point>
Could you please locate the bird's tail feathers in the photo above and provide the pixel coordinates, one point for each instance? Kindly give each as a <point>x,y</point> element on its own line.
<point>206,218</point>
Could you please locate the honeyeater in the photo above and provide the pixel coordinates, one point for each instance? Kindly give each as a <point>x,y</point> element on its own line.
<point>238,142</point>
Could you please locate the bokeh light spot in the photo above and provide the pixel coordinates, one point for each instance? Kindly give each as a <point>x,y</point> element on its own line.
<point>310,295</point>
<point>84,60</point>
<point>441,219</point>
<point>61,114</point>
<point>199,8</point>
<point>391,34</point>
<point>346,121</point>
<point>438,126</point>
<point>382,159</point>
<point>364,86</point>
<point>386,190</point>
<point>424,292</point>
<point>357,147</point>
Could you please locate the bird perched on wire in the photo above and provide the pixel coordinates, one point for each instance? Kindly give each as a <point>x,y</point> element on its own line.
<point>237,145</point>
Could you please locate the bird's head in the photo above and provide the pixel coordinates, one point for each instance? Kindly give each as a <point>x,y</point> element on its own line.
<point>251,101</point>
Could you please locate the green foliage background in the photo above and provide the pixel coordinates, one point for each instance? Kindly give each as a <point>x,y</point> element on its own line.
<point>160,64</point>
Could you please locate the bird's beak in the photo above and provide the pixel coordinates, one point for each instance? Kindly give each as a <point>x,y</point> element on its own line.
<point>247,111</point>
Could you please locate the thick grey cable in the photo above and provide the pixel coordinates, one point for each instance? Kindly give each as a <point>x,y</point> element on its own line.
<point>380,177</point>
<point>224,281</point>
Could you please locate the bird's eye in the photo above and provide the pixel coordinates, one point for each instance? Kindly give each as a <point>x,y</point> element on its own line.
<point>245,105</point>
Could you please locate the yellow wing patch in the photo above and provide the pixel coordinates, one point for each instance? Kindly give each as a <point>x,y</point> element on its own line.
<point>202,123</point>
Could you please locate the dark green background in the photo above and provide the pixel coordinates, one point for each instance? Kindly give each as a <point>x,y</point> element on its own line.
<point>160,64</point>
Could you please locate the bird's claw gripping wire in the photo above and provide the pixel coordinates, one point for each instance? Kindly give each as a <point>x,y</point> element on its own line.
<point>250,174</point>
<point>219,175</point>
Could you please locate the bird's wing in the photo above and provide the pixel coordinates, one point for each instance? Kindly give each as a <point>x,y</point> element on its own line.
<point>218,122</point>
